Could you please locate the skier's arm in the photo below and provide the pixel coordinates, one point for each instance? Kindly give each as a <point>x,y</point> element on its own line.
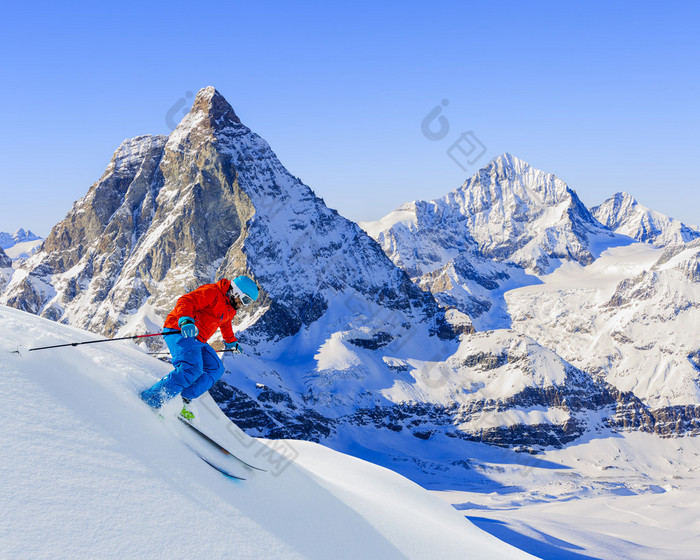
<point>227,332</point>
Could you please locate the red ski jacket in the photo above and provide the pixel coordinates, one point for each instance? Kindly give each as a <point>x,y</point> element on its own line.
<point>210,309</point>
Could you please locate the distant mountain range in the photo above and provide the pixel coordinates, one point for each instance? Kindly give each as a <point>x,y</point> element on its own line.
<point>503,227</point>
<point>19,245</point>
<point>14,249</point>
<point>7,240</point>
<point>623,214</point>
<point>504,312</point>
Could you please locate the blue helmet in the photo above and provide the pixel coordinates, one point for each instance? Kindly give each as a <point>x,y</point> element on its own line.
<point>245,289</point>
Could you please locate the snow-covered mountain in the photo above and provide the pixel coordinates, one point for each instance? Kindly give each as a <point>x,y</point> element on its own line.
<point>602,315</point>
<point>627,319</point>
<point>210,200</point>
<point>507,222</point>
<point>623,214</point>
<point>341,337</point>
<point>20,245</point>
<point>508,211</point>
<point>7,240</point>
<point>373,354</point>
<point>503,313</point>
<point>88,471</point>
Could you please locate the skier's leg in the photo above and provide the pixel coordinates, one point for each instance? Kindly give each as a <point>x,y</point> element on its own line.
<point>187,363</point>
<point>213,370</point>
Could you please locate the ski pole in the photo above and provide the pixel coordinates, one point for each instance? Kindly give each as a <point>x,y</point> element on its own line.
<point>105,340</point>
<point>164,353</point>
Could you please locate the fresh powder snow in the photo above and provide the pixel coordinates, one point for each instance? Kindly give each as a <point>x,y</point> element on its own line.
<point>88,471</point>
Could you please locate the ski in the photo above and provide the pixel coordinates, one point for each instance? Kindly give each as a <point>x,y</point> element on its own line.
<point>218,445</point>
<point>212,465</point>
<point>222,471</point>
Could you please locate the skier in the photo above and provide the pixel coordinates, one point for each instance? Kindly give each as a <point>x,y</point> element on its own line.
<point>197,316</point>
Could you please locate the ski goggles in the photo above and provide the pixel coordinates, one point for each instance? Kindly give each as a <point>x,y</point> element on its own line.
<point>235,291</point>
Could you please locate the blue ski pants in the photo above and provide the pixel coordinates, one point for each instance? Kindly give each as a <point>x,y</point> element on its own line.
<point>196,369</point>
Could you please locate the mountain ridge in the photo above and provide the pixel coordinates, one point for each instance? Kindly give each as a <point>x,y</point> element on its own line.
<point>503,227</point>
<point>623,214</point>
<point>7,240</point>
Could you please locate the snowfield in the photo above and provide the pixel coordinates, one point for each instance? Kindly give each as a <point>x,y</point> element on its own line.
<point>605,497</point>
<point>88,471</point>
<point>607,318</point>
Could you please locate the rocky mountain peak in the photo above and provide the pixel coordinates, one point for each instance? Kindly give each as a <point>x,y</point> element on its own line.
<point>521,214</point>
<point>506,220</point>
<point>624,198</point>
<point>615,207</point>
<point>508,180</point>
<point>210,115</point>
<point>208,201</point>
<point>211,103</point>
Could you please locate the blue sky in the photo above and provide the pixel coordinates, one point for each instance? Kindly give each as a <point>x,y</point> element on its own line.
<point>603,94</point>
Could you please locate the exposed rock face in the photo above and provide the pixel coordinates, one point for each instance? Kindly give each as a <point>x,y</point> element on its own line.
<point>623,214</point>
<point>5,261</point>
<point>631,414</point>
<point>5,269</point>
<point>544,414</point>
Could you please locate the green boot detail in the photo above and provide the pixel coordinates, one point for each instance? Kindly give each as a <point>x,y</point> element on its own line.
<point>186,413</point>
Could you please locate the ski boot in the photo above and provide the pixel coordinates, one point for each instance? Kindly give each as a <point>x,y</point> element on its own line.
<point>186,413</point>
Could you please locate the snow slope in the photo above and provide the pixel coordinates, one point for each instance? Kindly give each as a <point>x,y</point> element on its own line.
<point>626,316</point>
<point>23,249</point>
<point>633,497</point>
<point>89,472</point>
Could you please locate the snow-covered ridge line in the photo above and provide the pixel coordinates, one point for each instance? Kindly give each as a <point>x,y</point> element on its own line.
<point>7,240</point>
<point>504,226</point>
<point>623,214</point>
<point>20,245</point>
